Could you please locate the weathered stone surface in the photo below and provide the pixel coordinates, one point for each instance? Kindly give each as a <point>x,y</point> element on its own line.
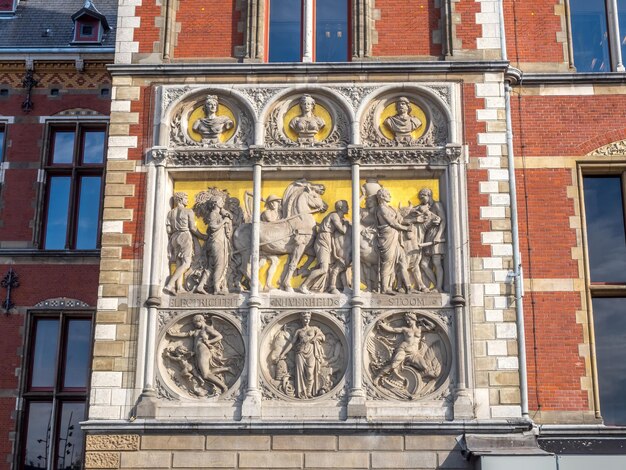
<point>371,443</point>
<point>112,442</point>
<point>146,459</point>
<point>304,443</point>
<point>102,460</point>
<point>172,442</point>
<point>404,460</point>
<point>270,459</point>
<point>336,460</point>
<point>238,442</point>
<point>430,442</point>
<point>205,459</point>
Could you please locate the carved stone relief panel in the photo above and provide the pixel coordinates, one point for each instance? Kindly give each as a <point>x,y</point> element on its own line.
<point>307,120</point>
<point>211,121</point>
<point>404,120</point>
<point>304,355</point>
<point>408,355</point>
<point>201,355</point>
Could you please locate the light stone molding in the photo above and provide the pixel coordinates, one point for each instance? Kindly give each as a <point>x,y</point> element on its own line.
<point>62,303</point>
<point>102,460</point>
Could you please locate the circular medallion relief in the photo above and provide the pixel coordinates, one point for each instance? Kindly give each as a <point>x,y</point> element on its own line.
<point>307,121</point>
<point>408,355</point>
<point>212,123</point>
<point>402,120</point>
<point>304,355</point>
<point>201,355</point>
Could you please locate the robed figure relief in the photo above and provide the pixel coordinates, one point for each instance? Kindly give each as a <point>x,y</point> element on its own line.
<point>212,125</point>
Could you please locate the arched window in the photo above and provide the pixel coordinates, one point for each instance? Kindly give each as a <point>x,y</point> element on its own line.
<point>307,30</point>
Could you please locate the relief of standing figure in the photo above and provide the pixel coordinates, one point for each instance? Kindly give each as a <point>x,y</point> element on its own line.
<point>327,253</point>
<point>308,342</point>
<point>180,224</point>
<point>219,233</point>
<point>431,263</point>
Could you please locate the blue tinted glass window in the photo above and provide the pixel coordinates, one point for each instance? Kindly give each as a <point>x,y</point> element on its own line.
<point>58,211</point>
<point>38,432</point>
<point>88,213</point>
<point>45,353</point>
<point>93,147</point>
<point>590,36</point>
<point>63,149</point>
<point>285,31</point>
<point>70,437</point>
<point>1,144</point>
<point>77,349</point>
<point>606,239</point>
<point>609,317</point>
<point>331,31</point>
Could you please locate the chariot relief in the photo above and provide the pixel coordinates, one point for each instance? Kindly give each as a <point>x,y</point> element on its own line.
<point>408,355</point>
<point>202,355</point>
<point>304,246</point>
<point>305,356</point>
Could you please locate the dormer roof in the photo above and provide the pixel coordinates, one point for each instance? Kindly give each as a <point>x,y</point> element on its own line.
<point>89,9</point>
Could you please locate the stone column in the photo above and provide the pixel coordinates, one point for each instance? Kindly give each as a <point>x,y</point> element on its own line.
<point>307,36</point>
<point>251,407</point>
<point>145,406</point>
<point>463,404</point>
<point>356,404</point>
<point>616,44</point>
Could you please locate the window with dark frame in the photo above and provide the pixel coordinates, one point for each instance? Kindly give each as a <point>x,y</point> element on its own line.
<point>287,29</point>
<point>2,141</point>
<point>604,197</point>
<point>86,30</point>
<point>55,390</point>
<point>74,175</point>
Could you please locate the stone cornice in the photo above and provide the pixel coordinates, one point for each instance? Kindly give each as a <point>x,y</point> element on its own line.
<point>440,67</point>
<point>518,77</point>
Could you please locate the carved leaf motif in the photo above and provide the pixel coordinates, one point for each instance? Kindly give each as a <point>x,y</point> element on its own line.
<point>355,94</point>
<point>613,149</point>
<point>172,94</point>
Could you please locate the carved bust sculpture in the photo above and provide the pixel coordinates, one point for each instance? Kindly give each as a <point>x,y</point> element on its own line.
<point>211,126</point>
<point>402,124</point>
<point>307,124</point>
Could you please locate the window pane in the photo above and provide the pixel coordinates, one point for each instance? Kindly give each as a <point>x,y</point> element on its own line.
<point>1,144</point>
<point>45,353</point>
<point>58,211</point>
<point>88,213</point>
<point>609,316</point>
<point>70,438</point>
<point>621,14</point>
<point>38,436</point>
<point>93,147</point>
<point>77,354</point>
<point>63,150</point>
<point>605,229</point>
<point>590,36</point>
<point>284,37</point>
<point>331,30</point>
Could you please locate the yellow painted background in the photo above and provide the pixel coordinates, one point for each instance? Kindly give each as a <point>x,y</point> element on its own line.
<point>390,110</point>
<point>199,113</point>
<point>403,192</point>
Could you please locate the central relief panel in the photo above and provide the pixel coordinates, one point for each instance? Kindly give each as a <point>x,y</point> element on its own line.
<point>298,316</point>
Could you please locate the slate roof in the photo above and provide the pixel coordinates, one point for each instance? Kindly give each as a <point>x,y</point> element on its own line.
<point>33,17</point>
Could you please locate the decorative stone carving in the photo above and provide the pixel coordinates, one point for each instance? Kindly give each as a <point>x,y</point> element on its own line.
<point>259,96</point>
<point>401,249</point>
<point>355,94</point>
<point>305,356</point>
<point>202,355</point>
<point>408,355</point>
<point>219,122</point>
<point>212,126</point>
<point>404,121</point>
<point>171,94</point>
<point>307,121</point>
<point>290,235</point>
<point>180,224</point>
<point>613,149</point>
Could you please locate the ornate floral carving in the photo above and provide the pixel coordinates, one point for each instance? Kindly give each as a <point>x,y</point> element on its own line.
<point>304,156</point>
<point>355,94</point>
<point>166,316</point>
<point>172,94</point>
<point>443,92</point>
<point>408,355</point>
<point>212,157</point>
<point>259,96</point>
<point>201,356</point>
<point>305,357</point>
<point>611,150</point>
